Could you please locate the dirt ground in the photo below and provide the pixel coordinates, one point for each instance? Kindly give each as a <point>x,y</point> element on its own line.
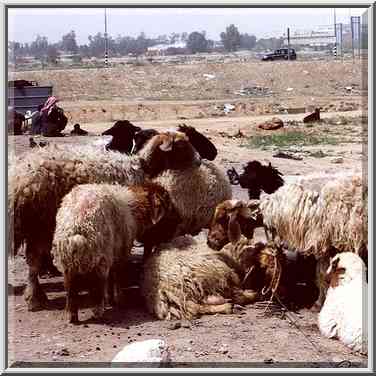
<point>249,337</point>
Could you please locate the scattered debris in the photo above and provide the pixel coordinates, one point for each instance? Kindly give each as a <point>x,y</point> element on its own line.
<point>282,154</point>
<point>337,160</point>
<point>273,124</point>
<point>268,361</point>
<point>175,325</point>
<point>209,76</point>
<point>149,351</point>
<point>32,143</point>
<point>254,91</point>
<point>314,116</point>
<point>223,349</point>
<point>63,352</point>
<point>227,108</point>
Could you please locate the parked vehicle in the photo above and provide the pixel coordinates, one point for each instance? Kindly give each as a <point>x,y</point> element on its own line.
<point>281,53</point>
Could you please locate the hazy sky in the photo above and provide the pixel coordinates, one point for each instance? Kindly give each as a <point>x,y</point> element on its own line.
<point>24,24</point>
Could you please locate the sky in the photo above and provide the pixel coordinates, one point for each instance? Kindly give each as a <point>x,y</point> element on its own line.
<point>25,24</point>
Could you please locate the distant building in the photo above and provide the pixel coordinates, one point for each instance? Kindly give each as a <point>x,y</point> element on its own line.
<point>320,37</point>
<point>161,49</point>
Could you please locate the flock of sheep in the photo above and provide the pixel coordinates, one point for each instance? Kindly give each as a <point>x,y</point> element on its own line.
<point>84,207</point>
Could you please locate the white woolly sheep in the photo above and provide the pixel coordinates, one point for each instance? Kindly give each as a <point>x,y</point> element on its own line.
<point>39,180</point>
<point>96,226</point>
<point>314,222</point>
<point>344,313</point>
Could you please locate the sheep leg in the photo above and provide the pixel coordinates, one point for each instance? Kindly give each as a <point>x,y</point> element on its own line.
<point>322,284</point>
<point>71,307</point>
<point>212,309</point>
<point>244,297</point>
<point>98,292</point>
<point>116,291</point>
<point>35,297</point>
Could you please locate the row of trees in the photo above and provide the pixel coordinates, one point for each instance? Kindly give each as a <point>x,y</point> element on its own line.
<point>232,40</point>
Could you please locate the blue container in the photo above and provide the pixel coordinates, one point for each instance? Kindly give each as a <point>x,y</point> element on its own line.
<point>23,98</point>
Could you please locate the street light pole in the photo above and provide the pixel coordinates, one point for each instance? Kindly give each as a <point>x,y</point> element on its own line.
<point>105,39</point>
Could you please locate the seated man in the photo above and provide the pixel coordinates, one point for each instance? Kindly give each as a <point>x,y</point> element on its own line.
<point>53,119</point>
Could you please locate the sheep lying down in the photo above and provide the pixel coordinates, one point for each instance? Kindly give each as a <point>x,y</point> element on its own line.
<point>185,279</point>
<point>344,313</point>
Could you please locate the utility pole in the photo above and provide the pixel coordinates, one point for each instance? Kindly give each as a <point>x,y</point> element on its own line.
<point>341,40</point>
<point>335,34</point>
<point>288,43</point>
<point>352,37</point>
<point>105,39</point>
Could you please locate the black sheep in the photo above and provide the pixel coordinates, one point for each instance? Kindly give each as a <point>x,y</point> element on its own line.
<point>122,133</point>
<point>257,178</point>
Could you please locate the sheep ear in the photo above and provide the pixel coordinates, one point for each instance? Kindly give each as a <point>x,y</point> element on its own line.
<point>157,210</point>
<point>234,231</point>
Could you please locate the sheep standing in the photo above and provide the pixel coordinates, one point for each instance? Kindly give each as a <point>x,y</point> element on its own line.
<point>96,226</point>
<point>196,192</point>
<point>39,180</point>
<point>314,222</point>
<point>344,313</point>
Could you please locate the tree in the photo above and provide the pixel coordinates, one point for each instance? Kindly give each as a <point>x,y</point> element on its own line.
<point>68,43</point>
<point>197,42</point>
<point>247,41</point>
<point>231,38</point>
<point>38,48</point>
<point>52,54</point>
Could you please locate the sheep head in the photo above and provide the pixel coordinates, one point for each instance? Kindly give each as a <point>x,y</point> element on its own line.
<point>168,150</point>
<point>164,217</point>
<point>345,267</point>
<point>122,128</point>
<point>123,133</point>
<point>232,218</point>
<point>256,177</point>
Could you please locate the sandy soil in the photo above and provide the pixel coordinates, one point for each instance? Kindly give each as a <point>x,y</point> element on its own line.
<point>247,338</point>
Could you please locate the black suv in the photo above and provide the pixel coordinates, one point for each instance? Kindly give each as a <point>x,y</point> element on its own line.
<point>281,53</point>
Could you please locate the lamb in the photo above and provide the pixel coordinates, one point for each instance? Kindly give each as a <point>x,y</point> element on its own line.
<point>38,182</point>
<point>96,226</point>
<point>344,313</point>
<point>122,133</point>
<point>256,178</point>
